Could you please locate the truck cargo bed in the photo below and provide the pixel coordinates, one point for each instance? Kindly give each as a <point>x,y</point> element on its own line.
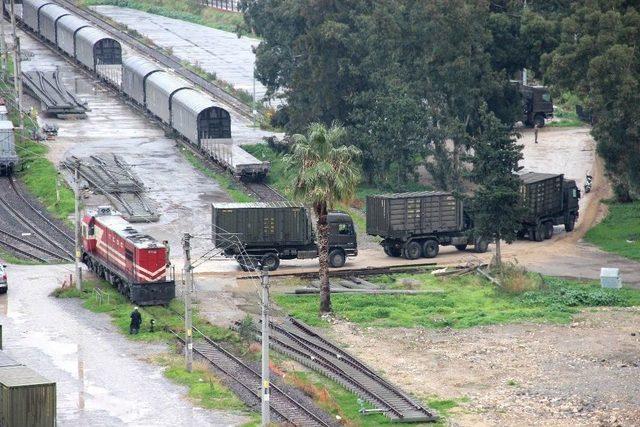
<point>542,195</point>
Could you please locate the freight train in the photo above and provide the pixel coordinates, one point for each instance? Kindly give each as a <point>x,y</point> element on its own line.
<point>8,156</point>
<point>133,262</point>
<point>175,102</point>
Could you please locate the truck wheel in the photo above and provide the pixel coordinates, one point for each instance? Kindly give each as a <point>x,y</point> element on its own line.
<point>570,224</point>
<point>270,262</point>
<point>538,233</point>
<point>461,247</point>
<point>430,249</point>
<point>337,258</point>
<point>412,250</point>
<point>538,120</point>
<point>548,230</point>
<point>481,246</point>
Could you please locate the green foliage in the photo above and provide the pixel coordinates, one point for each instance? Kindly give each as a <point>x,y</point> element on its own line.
<point>186,11</point>
<point>465,302</point>
<point>597,59</point>
<point>224,180</point>
<point>619,232</point>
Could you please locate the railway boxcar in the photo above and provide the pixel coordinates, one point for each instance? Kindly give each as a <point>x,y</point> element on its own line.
<point>66,31</point>
<point>49,16</point>
<point>135,71</point>
<point>135,263</point>
<point>31,13</point>
<point>159,89</point>
<point>97,51</point>
<point>8,157</point>
<point>197,117</point>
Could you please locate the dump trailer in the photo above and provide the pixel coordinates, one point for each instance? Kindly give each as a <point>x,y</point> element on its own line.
<point>262,234</point>
<point>416,224</point>
<point>549,200</point>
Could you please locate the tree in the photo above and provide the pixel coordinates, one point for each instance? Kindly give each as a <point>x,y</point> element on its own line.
<point>326,173</point>
<point>497,207</point>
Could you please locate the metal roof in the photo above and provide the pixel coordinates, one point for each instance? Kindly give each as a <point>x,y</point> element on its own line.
<point>167,82</point>
<point>35,3</point>
<point>531,177</point>
<point>140,66</point>
<point>6,124</point>
<point>3,109</point>
<point>54,11</point>
<point>93,35</point>
<point>194,100</point>
<point>6,360</point>
<point>124,229</point>
<point>412,194</point>
<point>21,376</point>
<point>256,205</point>
<point>72,23</point>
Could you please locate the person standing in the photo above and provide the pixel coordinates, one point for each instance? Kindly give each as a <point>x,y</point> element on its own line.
<point>535,131</point>
<point>136,321</point>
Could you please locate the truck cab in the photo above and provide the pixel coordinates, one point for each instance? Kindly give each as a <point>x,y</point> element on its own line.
<point>537,105</point>
<point>571,197</point>
<point>342,238</point>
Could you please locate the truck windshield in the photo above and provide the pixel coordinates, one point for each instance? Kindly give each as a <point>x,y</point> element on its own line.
<point>344,228</point>
<point>546,97</point>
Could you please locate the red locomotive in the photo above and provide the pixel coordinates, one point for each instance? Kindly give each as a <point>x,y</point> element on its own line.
<point>135,263</point>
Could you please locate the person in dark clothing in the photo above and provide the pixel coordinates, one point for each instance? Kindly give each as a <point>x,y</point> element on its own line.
<point>136,321</point>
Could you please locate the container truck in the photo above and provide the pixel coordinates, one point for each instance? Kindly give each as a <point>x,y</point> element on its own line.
<point>265,233</point>
<point>416,224</point>
<point>549,200</point>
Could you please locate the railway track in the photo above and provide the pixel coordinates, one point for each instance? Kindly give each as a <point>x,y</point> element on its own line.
<point>246,382</point>
<point>169,61</point>
<point>27,231</point>
<point>297,340</point>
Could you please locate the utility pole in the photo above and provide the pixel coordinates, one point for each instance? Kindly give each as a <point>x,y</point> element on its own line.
<point>186,280</point>
<point>255,109</point>
<point>524,69</point>
<point>76,190</point>
<point>17,81</point>
<point>264,279</point>
<point>3,47</point>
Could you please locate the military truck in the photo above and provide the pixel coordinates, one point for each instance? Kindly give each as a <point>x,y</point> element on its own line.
<point>262,234</point>
<point>549,200</point>
<point>414,225</point>
<point>536,104</point>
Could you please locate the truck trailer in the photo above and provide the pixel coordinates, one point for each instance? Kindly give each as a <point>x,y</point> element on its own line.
<point>262,234</point>
<point>416,224</point>
<point>549,200</point>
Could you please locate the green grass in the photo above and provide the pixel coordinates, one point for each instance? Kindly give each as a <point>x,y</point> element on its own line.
<point>184,10</point>
<point>225,181</point>
<point>465,302</point>
<point>619,232</point>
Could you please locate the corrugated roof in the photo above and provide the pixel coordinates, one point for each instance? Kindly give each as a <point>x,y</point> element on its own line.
<point>54,11</point>
<point>6,360</point>
<point>259,205</point>
<point>93,35</point>
<point>167,82</point>
<point>35,3</point>
<point>124,229</point>
<point>6,124</point>
<point>21,376</point>
<point>72,22</point>
<point>194,100</point>
<point>139,65</point>
<point>531,177</point>
<point>412,194</point>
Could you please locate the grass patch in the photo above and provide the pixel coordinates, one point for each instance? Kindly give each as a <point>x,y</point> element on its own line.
<point>185,11</point>
<point>619,232</point>
<point>566,123</point>
<point>226,182</point>
<point>10,258</point>
<point>463,302</point>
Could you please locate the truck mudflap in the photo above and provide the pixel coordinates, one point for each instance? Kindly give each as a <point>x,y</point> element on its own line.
<point>158,293</point>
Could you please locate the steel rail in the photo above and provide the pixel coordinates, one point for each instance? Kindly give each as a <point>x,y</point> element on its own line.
<point>21,251</point>
<point>30,225</point>
<point>40,214</point>
<point>169,61</point>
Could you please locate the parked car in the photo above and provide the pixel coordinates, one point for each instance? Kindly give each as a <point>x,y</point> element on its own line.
<point>3,279</point>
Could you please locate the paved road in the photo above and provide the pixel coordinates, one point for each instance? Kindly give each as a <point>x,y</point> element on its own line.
<point>103,379</point>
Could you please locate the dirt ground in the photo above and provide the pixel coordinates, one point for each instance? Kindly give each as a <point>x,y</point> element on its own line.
<point>585,373</point>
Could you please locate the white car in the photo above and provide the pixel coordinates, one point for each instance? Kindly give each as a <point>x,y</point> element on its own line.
<point>3,279</point>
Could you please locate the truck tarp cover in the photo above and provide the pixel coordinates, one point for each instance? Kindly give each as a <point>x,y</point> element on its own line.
<point>541,194</point>
<point>260,224</point>
<point>399,215</point>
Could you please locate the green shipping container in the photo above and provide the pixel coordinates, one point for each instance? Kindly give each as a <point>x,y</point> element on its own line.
<point>26,398</point>
<point>260,224</point>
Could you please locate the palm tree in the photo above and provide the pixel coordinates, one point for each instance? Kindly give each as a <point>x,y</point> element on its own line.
<point>326,173</point>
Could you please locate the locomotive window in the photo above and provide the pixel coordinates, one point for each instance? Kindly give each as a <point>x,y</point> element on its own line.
<point>128,255</point>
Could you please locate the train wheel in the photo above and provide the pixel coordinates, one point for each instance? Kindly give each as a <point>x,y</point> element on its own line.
<point>430,249</point>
